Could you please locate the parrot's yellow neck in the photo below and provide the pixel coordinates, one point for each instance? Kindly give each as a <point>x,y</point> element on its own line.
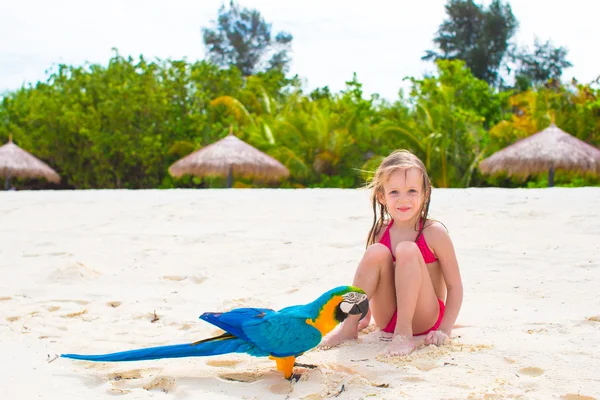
<point>325,321</point>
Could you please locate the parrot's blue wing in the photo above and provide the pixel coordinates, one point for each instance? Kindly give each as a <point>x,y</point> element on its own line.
<point>279,333</point>
<point>234,320</point>
<point>282,334</point>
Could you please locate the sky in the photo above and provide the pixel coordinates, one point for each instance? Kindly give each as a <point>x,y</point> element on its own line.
<point>381,40</point>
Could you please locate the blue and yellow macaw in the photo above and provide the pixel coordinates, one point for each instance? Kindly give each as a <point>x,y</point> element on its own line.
<point>281,335</point>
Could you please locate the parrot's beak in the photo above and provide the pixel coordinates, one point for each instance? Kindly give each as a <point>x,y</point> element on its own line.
<point>360,308</point>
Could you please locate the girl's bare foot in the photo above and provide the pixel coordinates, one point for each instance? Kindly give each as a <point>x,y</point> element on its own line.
<point>340,335</point>
<point>363,323</point>
<point>400,346</point>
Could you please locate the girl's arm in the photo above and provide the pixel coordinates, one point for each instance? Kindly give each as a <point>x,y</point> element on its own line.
<point>444,250</point>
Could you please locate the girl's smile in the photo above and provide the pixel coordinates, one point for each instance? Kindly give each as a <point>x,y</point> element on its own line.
<point>403,194</point>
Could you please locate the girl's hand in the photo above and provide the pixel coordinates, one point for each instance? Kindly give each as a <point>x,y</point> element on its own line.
<point>436,337</point>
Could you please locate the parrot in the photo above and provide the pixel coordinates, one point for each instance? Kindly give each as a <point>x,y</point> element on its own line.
<point>261,332</point>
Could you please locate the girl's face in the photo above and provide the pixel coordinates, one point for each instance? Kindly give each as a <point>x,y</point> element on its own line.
<point>403,194</point>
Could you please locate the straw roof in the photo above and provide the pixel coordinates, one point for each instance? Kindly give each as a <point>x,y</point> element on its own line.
<point>230,154</point>
<point>551,148</point>
<point>16,162</point>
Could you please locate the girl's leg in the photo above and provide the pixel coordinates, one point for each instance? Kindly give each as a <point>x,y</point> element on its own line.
<point>365,321</point>
<point>417,304</point>
<point>374,275</point>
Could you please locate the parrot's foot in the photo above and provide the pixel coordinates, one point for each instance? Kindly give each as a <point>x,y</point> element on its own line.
<point>294,378</point>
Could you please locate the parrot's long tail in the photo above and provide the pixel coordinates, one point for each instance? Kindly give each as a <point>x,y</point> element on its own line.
<point>223,344</point>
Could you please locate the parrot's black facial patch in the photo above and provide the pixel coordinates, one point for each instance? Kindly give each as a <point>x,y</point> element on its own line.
<point>353,304</point>
<point>340,315</point>
<point>361,308</point>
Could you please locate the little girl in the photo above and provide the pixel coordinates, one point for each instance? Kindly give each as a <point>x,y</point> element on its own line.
<point>409,270</point>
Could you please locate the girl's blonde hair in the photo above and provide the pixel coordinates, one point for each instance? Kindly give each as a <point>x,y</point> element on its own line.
<point>399,160</point>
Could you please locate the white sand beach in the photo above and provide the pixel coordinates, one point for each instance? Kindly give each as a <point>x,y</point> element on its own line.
<point>103,271</point>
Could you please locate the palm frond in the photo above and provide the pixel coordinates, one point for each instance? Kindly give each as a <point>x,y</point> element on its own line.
<point>234,106</point>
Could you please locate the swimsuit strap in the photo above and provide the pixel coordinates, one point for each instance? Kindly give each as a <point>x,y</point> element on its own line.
<point>385,239</point>
<point>426,252</point>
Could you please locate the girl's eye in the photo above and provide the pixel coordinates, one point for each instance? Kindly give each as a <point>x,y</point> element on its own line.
<point>412,191</point>
<point>393,192</point>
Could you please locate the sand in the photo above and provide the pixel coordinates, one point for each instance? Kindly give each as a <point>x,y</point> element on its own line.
<point>102,271</point>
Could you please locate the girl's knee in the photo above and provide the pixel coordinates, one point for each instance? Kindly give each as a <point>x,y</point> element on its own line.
<point>378,253</point>
<point>406,251</point>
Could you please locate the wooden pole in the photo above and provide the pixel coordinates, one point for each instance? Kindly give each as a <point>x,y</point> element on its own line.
<point>230,177</point>
<point>551,177</point>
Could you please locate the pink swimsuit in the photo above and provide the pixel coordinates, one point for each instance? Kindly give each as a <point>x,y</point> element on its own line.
<point>429,258</point>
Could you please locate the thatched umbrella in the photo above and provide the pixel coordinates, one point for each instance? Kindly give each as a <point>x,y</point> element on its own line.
<point>548,150</point>
<point>227,157</point>
<point>14,161</point>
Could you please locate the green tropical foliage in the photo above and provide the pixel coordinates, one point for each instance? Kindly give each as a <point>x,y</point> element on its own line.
<point>121,125</point>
